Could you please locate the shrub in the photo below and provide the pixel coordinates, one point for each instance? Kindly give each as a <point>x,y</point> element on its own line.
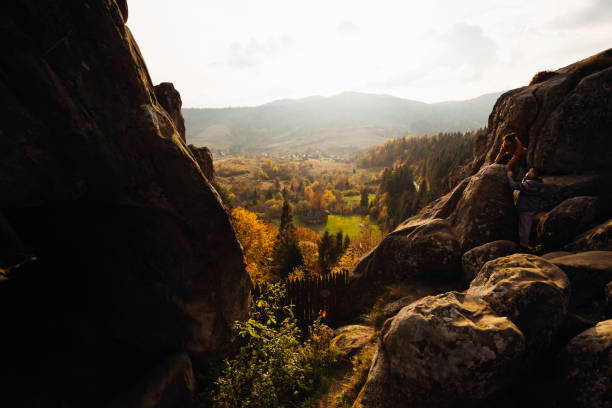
<point>542,76</point>
<point>272,367</point>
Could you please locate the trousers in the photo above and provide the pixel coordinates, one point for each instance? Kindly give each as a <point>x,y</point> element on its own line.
<point>525,220</point>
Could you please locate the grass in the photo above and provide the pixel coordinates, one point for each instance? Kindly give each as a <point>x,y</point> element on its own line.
<point>355,199</point>
<point>348,224</point>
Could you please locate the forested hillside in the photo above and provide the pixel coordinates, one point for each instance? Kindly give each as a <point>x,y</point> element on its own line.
<point>415,170</point>
<point>348,122</point>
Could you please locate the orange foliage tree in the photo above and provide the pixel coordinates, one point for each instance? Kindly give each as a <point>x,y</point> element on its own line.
<point>257,238</point>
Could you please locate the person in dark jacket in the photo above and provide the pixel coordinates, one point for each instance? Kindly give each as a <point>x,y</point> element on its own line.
<point>528,202</point>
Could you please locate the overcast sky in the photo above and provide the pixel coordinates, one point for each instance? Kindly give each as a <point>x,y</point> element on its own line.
<point>240,53</point>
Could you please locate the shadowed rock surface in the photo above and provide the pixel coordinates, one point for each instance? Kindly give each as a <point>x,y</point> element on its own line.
<point>568,219</point>
<point>597,238</point>
<point>205,160</point>
<point>587,368</point>
<point>442,351</point>
<point>135,256</point>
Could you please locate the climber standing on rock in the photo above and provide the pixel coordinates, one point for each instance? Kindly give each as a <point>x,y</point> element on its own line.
<point>528,202</point>
<point>512,152</point>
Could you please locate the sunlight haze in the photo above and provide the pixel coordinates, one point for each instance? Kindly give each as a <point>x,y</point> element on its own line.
<point>243,53</point>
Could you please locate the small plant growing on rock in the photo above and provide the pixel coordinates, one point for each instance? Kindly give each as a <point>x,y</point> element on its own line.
<point>273,368</point>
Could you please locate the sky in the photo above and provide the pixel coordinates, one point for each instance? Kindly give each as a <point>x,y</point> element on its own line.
<point>221,53</point>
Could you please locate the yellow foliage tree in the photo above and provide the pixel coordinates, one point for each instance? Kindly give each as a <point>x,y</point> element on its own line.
<point>257,239</point>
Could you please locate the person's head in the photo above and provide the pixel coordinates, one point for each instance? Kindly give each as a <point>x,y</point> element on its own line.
<point>509,138</point>
<point>531,174</point>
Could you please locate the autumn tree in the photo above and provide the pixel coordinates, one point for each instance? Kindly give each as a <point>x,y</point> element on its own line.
<point>257,240</point>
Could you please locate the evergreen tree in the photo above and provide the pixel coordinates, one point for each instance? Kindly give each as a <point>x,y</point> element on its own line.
<point>338,247</point>
<point>363,203</point>
<point>325,252</point>
<point>286,220</point>
<point>287,254</point>
<point>347,242</point>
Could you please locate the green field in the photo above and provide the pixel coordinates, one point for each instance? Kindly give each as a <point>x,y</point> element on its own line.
<point>353,200</point>
<point>349,224</point>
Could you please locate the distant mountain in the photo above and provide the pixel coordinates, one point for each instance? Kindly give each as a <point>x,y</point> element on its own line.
<point>343,123</point>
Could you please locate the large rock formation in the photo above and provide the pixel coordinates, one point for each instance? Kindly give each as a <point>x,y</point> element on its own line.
<point>204,159</point>
<point>441,351</point>
<point>133,255</point>
<point>597,238</point>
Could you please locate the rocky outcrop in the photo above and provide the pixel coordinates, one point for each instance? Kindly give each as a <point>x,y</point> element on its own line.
<point>597,238</point>
<point>170,99</point>
<point>429,245</point>
<point>588,272</point>
<point>530,291</point>
<point>567,220</point>
<point>475,258</point>
<point>608,294</point>
<point>204,159</point>
<point>562,120</point>
<point>444,350</point>
<point>587,368</point>
<point>135,256</point>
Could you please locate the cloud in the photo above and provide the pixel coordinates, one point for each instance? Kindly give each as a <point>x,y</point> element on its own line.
<point>464,51</point>
<point>595,12</point>
<point>255,52</point>
<point>347,27</point>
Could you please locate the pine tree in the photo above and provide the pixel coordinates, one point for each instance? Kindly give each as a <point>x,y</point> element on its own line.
<point>286,220</point>
<point>347,242</point>
<point>325,252</point>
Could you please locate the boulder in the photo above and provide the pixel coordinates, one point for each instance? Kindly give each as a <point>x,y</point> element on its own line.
<point>350,339</point>
<point>136,254</point>
<point>568,219</point>
<point>444,350</point>
<point>587,368</point>
<point>597,238</point>
<point>169,384</point>
<point>485,212</point>
<point>557,189</point>
<point>170,99</point>
<point>588,272</point>
<point>417,251</point>
<point>530,291</point>
<point>555,254</point>
<point>204,158</point>
<point>475,258</point>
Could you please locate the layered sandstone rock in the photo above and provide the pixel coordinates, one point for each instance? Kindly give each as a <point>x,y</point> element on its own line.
<point>205,160</point>
<point>135,255</point>
<point>444,350</point>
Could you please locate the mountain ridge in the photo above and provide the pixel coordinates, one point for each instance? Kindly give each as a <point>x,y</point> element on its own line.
<point>342,123</point>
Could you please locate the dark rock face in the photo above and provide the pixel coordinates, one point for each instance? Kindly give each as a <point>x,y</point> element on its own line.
<point>568,219</point>
<point>597,238</point>
<point>587,368</point>
<point>135,257</point>
<point>442,351</point>
<point>205,160</point>
<point>170,100</point>
<point>475,258</point>
<point>529,290</point>
<point>168,385</point>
